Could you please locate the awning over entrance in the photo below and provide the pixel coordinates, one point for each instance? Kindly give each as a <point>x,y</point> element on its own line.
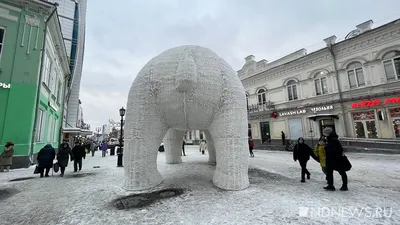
<point>76,131</point>
<point>323,116</point>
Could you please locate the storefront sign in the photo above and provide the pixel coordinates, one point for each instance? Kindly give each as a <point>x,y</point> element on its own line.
<point>297,112</point>
<point>5,86</point>
<point>322,108</point>
<point>375,102</point>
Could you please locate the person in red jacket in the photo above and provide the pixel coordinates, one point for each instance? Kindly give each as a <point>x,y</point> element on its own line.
<point>251,146</point>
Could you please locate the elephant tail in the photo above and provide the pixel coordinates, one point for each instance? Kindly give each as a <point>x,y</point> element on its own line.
<point>186,74</point>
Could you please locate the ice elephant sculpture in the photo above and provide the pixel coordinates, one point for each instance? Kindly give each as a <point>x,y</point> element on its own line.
<point>186,88</point>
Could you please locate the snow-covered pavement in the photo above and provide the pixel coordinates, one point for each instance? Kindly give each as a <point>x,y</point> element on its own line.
<point>274,196</point>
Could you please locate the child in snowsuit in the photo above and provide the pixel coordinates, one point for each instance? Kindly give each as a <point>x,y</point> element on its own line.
<point>321,155</point>
<point>251,146</point>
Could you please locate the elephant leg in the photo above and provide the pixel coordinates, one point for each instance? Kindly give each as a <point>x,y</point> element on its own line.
<point>211,148</point>
<point>229,133</point>
<point>144,131</point>
<point>173,146</point>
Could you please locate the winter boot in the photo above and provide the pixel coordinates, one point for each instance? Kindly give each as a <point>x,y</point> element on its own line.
<point>330,188</point>
<point>308,176</point>
<point>302,181</point>
<point>344,188</point>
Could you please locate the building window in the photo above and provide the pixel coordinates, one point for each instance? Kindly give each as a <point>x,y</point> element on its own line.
<point>391,65</point>
<point>2,32</point>
<point>321,86</point>
<point>49,130</point>
<point>41,123</point>
<point>364,124</point>
<point>59,91</point>
<point>47,70</point>
<point>356,75</point>
<point>55,130</point>
<point>395,115</point>
<point>292,90</point>
<point>262,99</point>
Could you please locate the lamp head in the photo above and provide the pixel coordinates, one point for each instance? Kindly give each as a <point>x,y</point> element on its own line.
<point>122,111</point>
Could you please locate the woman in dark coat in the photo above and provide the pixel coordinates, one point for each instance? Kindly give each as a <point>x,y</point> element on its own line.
<point>45,159</point>
<point>302,152</point>
<point>64,151</point>
<point>334,155</point>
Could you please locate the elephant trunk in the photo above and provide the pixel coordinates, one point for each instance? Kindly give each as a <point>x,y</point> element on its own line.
<point>186,74</point>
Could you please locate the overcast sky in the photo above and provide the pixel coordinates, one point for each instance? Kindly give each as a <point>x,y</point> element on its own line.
<point>122,37</point>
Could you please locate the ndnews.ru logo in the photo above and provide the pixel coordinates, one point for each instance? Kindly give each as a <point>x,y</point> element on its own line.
<point>368,212</point>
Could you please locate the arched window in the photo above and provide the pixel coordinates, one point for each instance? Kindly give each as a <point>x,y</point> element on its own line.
<point>292,90</point>
<point>262,98</point>
<point>355,75</point>
<point>391,65</point>
<point>321,86</point>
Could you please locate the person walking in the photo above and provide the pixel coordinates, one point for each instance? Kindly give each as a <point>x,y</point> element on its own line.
<point>104,148</point>
<point>320,154</point>
<point>6,157</point>
<point>334,155</point>
<point>93,148</point>
<point>302,152</point>
<point>251,146</point>
<point>64,151</point>
<point>283,136</point>
<point>203,146</point>
<point>45,159</point>
<point>78,152</point>
<point>183,148</point>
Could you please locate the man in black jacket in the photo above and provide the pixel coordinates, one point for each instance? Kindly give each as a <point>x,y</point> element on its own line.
<point>334,156</point>
<point>78,152</point>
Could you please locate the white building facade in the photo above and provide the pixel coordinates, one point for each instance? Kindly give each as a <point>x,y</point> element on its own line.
<point>72,15</point>
<point>352,86</point>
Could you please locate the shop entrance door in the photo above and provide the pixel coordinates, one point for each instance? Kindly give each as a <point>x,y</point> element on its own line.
<point>265,132</point>
<point>326,123</point>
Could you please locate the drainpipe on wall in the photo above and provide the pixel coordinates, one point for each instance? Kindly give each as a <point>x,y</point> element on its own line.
<point>40,82</point>
<point>329,43</point>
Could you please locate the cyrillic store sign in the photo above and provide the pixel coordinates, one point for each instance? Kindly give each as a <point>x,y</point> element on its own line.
<point>5,86</point>
<point>322,108</point>
<point>303,111</point>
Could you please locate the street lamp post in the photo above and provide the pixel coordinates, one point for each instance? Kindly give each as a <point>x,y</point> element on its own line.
<point>120,151</point>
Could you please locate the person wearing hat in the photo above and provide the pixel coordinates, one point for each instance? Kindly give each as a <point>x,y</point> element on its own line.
<point>6,157</point>
<point>334,154</point>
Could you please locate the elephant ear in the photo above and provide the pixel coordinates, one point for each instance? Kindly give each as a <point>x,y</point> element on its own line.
<point>186,74</point>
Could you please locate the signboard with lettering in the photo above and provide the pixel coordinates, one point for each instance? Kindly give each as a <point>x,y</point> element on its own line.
<point>5,86</point>
<point>374,102</point>
<point>303,111</point>
<point>296,112</point>
<point>322,108</point>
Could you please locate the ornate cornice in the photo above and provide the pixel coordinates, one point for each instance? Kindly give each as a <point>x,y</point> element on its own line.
<point>368,41</point>
<point>343,49</point>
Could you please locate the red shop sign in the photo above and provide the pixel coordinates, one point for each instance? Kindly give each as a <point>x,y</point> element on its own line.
<point>375,102</point>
